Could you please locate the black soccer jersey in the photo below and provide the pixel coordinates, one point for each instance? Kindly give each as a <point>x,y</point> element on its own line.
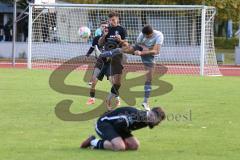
<point>113,31</point>
<point>126,118</point>
<point>118,30</point>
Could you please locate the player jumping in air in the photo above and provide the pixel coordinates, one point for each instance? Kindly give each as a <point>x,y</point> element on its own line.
<point>110,40</point>
<point>148,44</point>
<point>115,128</point>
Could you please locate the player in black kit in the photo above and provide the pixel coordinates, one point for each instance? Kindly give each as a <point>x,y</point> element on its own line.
<point>115,128</point>
<point>110,40</point>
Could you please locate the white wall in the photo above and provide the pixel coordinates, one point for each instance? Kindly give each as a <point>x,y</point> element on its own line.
<point>6,49</point>
<point>70,50</point>
<point>237,55</point>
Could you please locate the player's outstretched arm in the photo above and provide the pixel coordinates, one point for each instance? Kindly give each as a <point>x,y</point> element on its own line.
<point>126,48</point>
<point>155,50</point>
<point>95,42</point>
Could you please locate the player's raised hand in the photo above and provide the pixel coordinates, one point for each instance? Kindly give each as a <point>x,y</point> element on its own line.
<point>105,31</point>
<point>118,38</point>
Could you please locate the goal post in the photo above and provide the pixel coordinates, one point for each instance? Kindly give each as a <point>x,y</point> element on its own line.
<point>188,46</point>
<point>202,53</point>
<point>29,57</point>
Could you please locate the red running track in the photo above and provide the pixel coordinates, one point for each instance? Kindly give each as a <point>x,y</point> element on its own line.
<point>226,70</point>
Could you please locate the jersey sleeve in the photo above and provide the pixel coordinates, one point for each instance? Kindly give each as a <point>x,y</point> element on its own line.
<point>95,40</point>
<point>124,34</point>
<point>160,39</point>
<point>139,38</point>
<point>98,32</point>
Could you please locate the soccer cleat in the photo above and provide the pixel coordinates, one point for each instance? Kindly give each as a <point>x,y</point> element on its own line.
<point>90,83</point>
<point>87,142</point>
<point>90,101</point>
<point>97,51</point>
<point>146,106</point>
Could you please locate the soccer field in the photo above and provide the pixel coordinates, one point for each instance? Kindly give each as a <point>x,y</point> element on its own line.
<point>207,129</point>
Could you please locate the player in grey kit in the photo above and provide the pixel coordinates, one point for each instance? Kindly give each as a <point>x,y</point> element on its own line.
<point>148,45</point>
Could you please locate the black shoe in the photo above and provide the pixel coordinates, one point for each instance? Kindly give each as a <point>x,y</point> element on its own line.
<point>87,142</point>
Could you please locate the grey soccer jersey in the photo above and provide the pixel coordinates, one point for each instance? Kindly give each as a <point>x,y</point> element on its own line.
<point>157,38</point>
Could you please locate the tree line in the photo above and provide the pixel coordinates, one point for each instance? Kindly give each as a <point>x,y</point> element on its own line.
<point>226,9</point>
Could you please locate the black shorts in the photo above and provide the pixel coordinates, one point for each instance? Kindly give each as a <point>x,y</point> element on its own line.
<point>116,65</point>
<point>105,71</point>
<point>106,131</point>
<point>104,66</point>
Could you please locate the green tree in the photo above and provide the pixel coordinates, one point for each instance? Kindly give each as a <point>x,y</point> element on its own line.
<point>83,1</point>
<point>20,3</point>
<point>226,9</point>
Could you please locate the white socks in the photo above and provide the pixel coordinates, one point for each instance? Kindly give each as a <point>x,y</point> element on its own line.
<point>94,142</point>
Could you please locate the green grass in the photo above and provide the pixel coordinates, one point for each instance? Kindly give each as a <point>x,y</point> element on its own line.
<point>29,128</point>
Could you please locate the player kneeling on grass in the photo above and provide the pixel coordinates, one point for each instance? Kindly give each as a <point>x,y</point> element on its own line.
<point>115,128</point>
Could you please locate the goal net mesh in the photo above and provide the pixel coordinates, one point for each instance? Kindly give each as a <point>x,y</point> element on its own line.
<point>55,40</point>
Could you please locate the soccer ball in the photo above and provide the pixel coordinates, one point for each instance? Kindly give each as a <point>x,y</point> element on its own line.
<point>84,32</point>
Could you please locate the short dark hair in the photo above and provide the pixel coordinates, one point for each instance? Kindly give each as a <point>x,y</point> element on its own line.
<point>113,14</point>
<point>159,116</point>
<point>147,29</point>
<point>159,112</point>
<point>104,22</point>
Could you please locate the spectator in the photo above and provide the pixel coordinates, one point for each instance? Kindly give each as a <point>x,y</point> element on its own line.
<point>7,30</point>
<point>25,30</point>
<point>1,32</point>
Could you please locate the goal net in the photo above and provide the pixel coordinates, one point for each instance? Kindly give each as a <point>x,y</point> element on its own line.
<point>188,46</point>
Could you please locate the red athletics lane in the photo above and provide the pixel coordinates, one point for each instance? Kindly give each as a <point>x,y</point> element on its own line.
<point>230,70</point>
<point>226,70</point>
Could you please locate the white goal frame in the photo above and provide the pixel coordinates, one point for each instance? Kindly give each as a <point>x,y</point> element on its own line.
<point>143,7</point>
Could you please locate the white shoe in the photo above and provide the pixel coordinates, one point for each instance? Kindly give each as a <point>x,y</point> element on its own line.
<point>97,51</point>
<point>146,106</point>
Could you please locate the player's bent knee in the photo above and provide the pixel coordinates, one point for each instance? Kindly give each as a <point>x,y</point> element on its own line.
<point>133,144</point>
<point>133,147</point>
<point>118,145</point>
<point>94,82</point>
